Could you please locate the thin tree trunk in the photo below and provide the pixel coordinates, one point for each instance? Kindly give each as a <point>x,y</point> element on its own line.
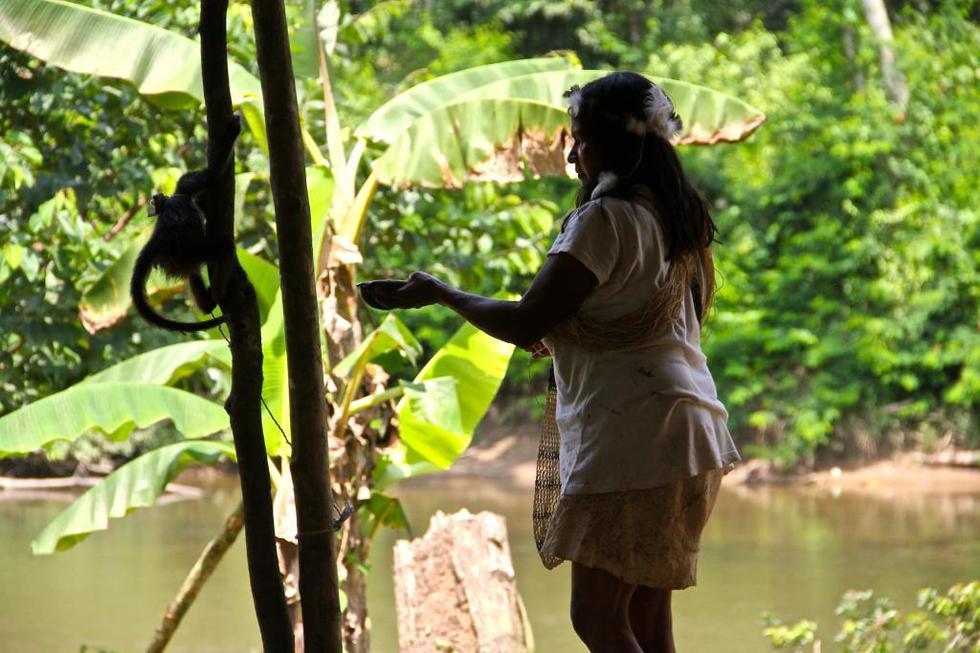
<point>206,563</point>
<point>850,51</point>
<point>876,14</point>
<point>236,296</point>
<point>319,598</point>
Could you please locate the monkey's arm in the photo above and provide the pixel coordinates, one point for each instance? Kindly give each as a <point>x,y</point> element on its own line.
<point>196,182</point>
<point>202,295</point>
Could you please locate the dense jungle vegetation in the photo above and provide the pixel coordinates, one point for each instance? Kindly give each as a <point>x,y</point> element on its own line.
<point>847,319</point>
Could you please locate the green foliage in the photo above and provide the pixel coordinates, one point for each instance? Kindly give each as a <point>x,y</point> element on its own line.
<point>137,484</point>
<point>515,126</point>
<point>163,65</point>
<point>391,335</point>
<point>111,408</point>
<point>849,297</point>
<point>166,365</point>
<point>789,637</point>
<point>947,623</point>
<point>443,405</point>
<point>849,275</point>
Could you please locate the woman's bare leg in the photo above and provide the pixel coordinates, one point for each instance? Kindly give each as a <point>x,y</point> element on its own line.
<point>600,611</point>
<point>651,620</point>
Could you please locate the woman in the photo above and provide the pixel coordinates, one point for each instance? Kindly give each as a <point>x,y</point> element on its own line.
<point>618,304</point>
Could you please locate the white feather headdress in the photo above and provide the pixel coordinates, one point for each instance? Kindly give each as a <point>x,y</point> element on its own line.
<point>659,116</point>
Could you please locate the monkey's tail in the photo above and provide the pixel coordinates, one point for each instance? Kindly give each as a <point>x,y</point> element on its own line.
<point>137,289</point>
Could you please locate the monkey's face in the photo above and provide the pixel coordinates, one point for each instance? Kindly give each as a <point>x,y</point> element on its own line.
<point>157,204</point>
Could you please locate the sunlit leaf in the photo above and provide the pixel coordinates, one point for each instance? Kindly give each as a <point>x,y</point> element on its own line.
<point>242,181</point>
<point>382,510</point>
<point>137,484</point>
<point>391,335</point>
<point>264,277</point>
<point>398,463</point>
<point>478,362</point>
<point>374,21</point>
<point>429,420</point>
<point>114,409</point>
<point>166,365</point>
<point>390,120</point>
<point>709,116</point>
<point>275,380</point>
<point>509,129</point>
<point>303,37</point>
<point>433,432</point>
<point>329,22</point>
<point>319,188</point>
<point>163,65</point>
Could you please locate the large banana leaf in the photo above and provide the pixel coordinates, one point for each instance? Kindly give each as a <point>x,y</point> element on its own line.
<point>709,116</point>
<point>137,484</point>
<point>436,424</point>
<point>275,379</point>
<point>264,277</point>
<point>391,335</point>
<point>303,40</point>
<point>114,409</point>
<point>164,66</point>
<point>478,362</point>
<point>504,130</point>
<point>320,186</point>
<point>391,119</point>
<point>108,300</point>
<point>430,420</point>
<point>165,365</point>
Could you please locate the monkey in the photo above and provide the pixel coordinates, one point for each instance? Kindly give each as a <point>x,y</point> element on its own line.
<point>178,244</point>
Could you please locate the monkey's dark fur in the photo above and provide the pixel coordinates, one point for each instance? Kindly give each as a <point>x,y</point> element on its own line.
<point>179,246</point>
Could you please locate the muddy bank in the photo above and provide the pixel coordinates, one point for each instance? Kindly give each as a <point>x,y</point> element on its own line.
<point>507,454</point>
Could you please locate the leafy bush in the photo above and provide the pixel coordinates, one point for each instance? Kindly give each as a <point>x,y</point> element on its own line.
<point>948,622</point>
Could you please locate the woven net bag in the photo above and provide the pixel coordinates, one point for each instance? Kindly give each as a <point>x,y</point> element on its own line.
<point>547,482</point>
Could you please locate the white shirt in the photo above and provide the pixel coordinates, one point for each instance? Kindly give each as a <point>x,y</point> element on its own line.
<point>635,419</point>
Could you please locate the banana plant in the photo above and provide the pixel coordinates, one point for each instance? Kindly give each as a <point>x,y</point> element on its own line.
<point>138,393</point>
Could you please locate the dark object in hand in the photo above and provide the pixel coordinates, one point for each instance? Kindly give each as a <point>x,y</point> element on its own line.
<point>370,290</point>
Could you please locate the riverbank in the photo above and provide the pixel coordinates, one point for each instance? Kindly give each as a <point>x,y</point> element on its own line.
<point>508,454</point>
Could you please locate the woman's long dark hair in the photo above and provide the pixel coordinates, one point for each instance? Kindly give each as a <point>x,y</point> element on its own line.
<point>604,108</point>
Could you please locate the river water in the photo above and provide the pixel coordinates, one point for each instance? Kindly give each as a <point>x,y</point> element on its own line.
<point>791,552</point>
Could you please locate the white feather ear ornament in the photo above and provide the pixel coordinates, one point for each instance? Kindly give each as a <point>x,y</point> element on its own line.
<point>574,97</point>
<point>607,181</point>
<point>658,116</point>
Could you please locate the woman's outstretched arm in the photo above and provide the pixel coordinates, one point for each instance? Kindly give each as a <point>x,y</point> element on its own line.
<point>556,293</point>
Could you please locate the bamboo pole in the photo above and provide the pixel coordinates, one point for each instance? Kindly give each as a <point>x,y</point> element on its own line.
<point>239,305</point>
<point>319,598</point>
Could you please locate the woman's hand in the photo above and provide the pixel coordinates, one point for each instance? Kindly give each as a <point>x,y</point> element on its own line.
<point>421,289</point>
<point>538,350</point>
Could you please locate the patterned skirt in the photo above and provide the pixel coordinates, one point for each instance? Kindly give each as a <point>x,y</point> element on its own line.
<point>643,537</point>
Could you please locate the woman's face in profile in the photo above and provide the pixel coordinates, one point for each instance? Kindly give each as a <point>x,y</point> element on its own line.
<point>584,154</point>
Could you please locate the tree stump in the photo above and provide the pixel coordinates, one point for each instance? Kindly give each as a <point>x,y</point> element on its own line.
<point>455,589</point>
